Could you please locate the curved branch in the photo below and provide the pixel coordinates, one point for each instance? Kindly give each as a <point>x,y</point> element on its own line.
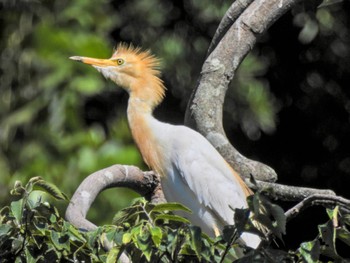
<point>231,15</point>
<point>318,199</point>
<point>204,111</point>
<point>144,183</point>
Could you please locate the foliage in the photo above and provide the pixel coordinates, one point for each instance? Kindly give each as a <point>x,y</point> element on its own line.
<point>32,230</point>
<point>44,128</point>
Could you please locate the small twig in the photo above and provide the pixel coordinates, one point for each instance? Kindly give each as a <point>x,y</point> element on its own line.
<point>318,199</point>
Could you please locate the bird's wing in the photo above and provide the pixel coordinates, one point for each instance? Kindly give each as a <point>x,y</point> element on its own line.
<point>207,174</point>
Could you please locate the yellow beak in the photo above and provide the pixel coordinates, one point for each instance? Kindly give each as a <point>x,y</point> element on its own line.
<point>94,61</point>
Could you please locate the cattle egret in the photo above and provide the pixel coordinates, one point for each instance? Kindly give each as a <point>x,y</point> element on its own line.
<point>192,171</point>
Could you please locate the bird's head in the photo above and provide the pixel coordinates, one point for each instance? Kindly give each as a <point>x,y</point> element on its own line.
<point>132,69</point>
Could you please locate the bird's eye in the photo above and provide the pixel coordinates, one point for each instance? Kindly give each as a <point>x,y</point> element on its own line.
<point>120,61</point>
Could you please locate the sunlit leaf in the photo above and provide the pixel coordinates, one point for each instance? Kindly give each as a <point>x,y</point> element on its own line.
<point>127,237</point>
<point>17,210</point>
<point>74,234</point>
<point>170,207</point>
<point>29,256</point>
<point>172,218</point>
<point>113,255</point>
<point>59,241</point>
<point>310,251</point>
<point>156,234</point>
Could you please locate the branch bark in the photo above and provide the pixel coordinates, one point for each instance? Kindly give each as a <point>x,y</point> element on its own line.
<point>145,183</point>
<point>248,19</point>
<point>231,15</point>
<point>286,192</point>
<point>318,199</point>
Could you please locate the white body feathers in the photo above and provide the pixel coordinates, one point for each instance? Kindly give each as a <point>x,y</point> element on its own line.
<point>197,176</point>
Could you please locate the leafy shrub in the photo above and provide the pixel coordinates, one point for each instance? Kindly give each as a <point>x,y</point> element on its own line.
<point>32,230</point>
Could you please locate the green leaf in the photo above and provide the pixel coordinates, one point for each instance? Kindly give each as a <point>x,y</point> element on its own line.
<point>59,241</point>
<point>17,244</point>
<point>170,207</point>
<point>143,241</point>
<point>51,189</point>
<point>196,240</point>
<point>127,238</point>
<point>17,210</point>
<point>333,213</point>
<point>241,218</point>
<point>29,256</point>
<point>172,218</point>
<point>157,235</point>
<point>4,229</point>
<point>328,235</point>
<point>310,251</point>
<point>113,255</point>
<point>74,234</point>
<point>268,214</point>
<point>279,216</point>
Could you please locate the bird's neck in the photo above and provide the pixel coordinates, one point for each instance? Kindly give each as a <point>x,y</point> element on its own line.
<point>142,125</point>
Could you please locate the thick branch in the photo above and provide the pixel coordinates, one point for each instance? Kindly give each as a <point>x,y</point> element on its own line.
<point>204,111</point>
<point>144,183</point>
<point>231,15</point>
<point>286,192</point>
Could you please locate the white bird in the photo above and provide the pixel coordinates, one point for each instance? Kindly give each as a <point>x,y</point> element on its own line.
<point>192,171</point>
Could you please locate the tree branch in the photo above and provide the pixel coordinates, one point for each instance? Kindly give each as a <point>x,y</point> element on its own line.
<point>286,192</point>
<point>205,108</point>
<point>318,199</point>
<point>226,22</point>
<point>145,183</point>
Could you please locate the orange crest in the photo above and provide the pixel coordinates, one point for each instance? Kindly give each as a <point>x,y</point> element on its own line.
<point>144,66</point>
<point>139,56</point>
